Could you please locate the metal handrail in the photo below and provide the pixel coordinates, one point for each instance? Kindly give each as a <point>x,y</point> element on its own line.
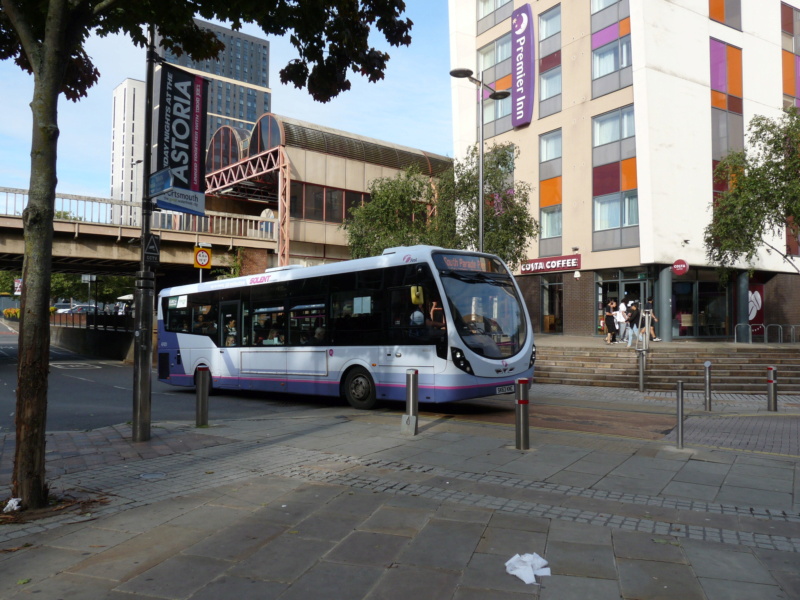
<point>105,211</point>
<point>780,333</point>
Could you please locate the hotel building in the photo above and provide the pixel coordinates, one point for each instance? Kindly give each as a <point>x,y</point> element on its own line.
<point>621,110</point>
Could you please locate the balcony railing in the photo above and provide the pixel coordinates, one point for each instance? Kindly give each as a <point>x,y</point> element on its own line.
<point>115,213</point>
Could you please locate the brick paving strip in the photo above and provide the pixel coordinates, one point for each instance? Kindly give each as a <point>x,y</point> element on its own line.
<point>158,473</point>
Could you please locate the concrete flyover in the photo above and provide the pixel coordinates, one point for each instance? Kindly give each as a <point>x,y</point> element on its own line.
<point>102,236</point>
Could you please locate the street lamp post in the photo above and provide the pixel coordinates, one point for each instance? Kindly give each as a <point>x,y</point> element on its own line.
<point>494,95</point>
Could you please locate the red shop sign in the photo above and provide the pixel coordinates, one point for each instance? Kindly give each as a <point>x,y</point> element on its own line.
<point>680,267</point>
<point>552,264</point>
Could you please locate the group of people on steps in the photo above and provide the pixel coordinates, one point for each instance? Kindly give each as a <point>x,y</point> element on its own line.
<point>623,322</point>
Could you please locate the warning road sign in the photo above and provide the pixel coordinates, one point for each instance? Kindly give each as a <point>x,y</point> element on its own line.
<point>202,258</point>
<point>152,250</point>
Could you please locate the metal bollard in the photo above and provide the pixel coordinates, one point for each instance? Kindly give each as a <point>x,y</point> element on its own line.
<point>202,388</point>
<point>409,423</point>
<point>522,402</point>
<point>707,389</point>
<point>772,389</point>
<point>680,415</point>
<point>642,362</point>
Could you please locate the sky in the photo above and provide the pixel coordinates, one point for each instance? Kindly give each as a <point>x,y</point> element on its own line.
<point>410,106</point>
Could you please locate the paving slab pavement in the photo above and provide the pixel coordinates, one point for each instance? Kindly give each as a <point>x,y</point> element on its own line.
<point>332,502</point>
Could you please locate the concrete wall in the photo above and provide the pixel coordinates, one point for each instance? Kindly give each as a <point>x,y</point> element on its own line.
<point>113,345</point>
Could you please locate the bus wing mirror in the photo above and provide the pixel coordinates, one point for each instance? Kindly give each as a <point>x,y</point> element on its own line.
<point>417,295</point>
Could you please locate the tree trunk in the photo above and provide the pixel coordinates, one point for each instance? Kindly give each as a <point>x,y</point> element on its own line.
<point>29,482</point>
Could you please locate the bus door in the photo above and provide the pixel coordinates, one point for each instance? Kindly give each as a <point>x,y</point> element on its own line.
<point>263,360</point>
<point>230,333</point>
<point>410,345</point>
<point>309,336</point>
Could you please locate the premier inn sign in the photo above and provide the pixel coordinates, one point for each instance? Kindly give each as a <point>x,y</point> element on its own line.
<point>522,67</point>
<point>552,264</point>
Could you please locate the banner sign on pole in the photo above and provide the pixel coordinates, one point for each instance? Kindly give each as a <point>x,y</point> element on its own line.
<point>181,137</point>
<point>523,78</point>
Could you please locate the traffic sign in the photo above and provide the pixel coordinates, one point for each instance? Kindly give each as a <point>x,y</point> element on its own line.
<point>152,250</point>
<point>181,200</point>
<point>160,182</point>
<point>202,258</point>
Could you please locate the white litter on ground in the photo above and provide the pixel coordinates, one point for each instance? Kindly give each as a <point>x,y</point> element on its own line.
<point>527,567</point>
<point>12,505</point>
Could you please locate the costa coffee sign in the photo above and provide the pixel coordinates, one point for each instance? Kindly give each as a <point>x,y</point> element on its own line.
<point>680,267</point>
<point>552,264</point>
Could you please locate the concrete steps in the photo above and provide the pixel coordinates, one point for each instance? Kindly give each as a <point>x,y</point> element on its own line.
<point>734,369</point>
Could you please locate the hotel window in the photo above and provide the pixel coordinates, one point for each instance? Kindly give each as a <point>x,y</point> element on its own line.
<point>728,12</point>
<point>550,194</point>
<point>616,210</point>
<point>492,12</point>
<point>550,146</point>
<point>550,62</point>
<point>551,222</point>
<point>598,5</point>
<point>727,121</point>
<point>550,83</point>
<point>611,57</point>
<point>615,206</point>
<point>550,23</point>
<point>494,53</point>
<point>613,126</point>
<point>790,28</point>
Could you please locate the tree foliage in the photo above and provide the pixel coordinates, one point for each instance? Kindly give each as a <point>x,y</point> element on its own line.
<point>107,288</point>
<point>412,209</point>
<point>46,38</point>
<point>763,195</point>
<point>403,211</point>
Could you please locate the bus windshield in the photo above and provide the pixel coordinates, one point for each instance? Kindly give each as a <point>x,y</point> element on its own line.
<point>483,300</point>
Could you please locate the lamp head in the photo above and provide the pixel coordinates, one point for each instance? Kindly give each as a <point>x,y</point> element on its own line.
<point>461,73</point>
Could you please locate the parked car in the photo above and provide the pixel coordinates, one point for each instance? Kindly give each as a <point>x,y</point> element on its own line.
<point>62,307</point>
<point>81,308</point>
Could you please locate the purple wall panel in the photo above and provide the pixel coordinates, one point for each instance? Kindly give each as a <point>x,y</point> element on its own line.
<point>605,36</point>
<point>719,71</point>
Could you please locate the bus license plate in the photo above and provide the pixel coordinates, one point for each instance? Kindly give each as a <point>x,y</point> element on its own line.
<point>505,389</point>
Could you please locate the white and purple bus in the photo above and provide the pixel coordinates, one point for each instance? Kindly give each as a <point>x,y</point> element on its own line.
<point>354,328</point>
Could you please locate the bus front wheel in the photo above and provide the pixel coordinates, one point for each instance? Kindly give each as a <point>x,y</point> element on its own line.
<point>359,389</point>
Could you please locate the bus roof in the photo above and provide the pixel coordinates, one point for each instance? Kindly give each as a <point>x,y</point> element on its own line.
<point>390,257</point>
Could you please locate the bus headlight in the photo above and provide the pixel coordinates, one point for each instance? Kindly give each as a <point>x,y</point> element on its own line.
<point>460,360</point>
<point>533,356</point>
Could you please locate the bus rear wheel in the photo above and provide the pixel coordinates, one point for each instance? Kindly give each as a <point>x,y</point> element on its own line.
<point>359,389</point>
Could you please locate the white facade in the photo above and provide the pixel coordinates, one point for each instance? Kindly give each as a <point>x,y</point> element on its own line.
<point>670,95</point>
<point>127,141</point>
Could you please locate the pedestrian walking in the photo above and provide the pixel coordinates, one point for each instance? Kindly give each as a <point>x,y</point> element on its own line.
<point>611,322</point>
<point>633,321</point>
<point>648,309</point>
<point>622,322</point>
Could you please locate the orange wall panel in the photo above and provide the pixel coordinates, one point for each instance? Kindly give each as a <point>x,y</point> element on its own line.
<point>550,192</point>
<point>504,83</point>
<point>624,26</point>
<point>629,181</point>
<point>735,71</point>
<point>716,10</point>
<point>719,100</point>
<point>788,73</point>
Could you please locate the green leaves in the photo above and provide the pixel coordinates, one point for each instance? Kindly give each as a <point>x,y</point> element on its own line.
<point>411,209</point>
<point>763,193</point>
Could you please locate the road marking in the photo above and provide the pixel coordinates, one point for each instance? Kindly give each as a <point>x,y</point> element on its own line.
<point>71,365</point>
<point>81,378</point>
